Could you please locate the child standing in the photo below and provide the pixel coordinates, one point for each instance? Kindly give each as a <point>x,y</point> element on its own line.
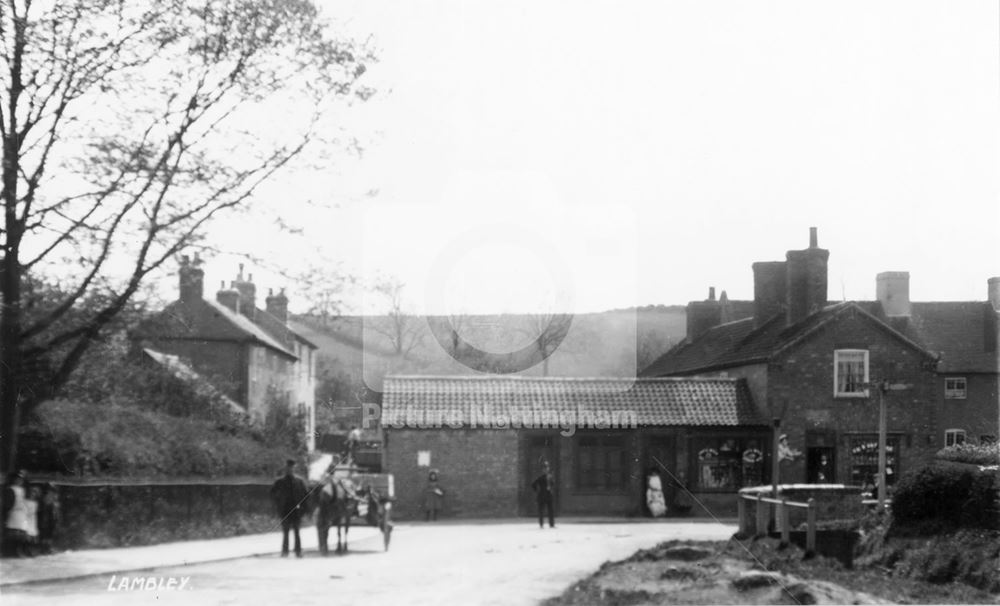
<point>31,515</point>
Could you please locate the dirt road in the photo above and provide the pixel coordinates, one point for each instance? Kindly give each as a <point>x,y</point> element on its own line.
<point>483,563</point>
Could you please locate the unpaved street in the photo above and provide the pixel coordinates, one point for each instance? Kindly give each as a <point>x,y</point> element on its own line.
<point>487,563</point>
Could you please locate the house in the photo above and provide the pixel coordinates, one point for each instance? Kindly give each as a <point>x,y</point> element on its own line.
<point>488,435</point>
<point>252,355</point>
<point>821,368</point>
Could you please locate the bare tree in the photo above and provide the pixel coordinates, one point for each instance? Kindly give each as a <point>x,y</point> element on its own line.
<point>547,333</point>
<point>127,128</point>
<point>402,330</point>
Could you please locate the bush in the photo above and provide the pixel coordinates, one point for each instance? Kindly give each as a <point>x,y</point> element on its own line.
<point>126,441</point>
<point>947,495</point>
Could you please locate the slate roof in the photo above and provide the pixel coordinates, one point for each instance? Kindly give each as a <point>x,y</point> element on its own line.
<point>956,330</point>
<point>461,401</point>
<point>738,343</point>
<point>208,320</point>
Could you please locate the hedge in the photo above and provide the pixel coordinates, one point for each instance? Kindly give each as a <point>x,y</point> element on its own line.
<point>951,495</point>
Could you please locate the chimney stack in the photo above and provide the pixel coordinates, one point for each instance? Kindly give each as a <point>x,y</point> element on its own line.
<point>277,305</point>
<point>993,292</point>
<point>192,277</point>
<point>769,285</point>
<point>806,280</point>
<point>703,315</point>
<point>230,297</point>
<point>892,288</point>
<point>248,294</point>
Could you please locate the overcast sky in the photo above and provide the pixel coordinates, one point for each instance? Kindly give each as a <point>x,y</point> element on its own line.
<point>596,155</point>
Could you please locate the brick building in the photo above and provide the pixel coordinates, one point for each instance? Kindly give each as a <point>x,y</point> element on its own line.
<point>814,366</point>
<point>487,435</point>
<point>250,354</point>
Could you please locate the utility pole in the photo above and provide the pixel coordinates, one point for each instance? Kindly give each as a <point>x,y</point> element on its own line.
<point>883,387</point>
<point>775,458</point>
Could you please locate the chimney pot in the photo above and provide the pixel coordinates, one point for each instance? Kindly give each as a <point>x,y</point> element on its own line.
<point>711,293</point>
<point>813,239</point>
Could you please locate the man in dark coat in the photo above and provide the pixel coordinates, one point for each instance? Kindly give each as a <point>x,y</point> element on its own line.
<point>289,494</point>
<point>544,487</point>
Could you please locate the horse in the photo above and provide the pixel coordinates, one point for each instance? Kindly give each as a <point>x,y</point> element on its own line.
<point>337,503</point>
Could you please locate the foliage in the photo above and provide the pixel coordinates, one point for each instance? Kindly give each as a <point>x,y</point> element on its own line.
<point>109,373</point>
<point>977,454</point>
<point>111,439</point>
<point>284,428</point>
<point>946,494</point>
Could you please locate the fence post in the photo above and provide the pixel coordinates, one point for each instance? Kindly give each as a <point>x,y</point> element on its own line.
<point>783,521</point>
<point>811,525</point>
<point>741,507</point>
<point>762,514</point>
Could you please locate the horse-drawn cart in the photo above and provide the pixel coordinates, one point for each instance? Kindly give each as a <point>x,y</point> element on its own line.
<point>343,495</point>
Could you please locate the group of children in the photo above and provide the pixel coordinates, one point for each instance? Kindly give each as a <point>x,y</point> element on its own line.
<point>30,514</point>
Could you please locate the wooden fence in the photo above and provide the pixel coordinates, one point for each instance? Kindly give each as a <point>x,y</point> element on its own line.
<point>783,506</point>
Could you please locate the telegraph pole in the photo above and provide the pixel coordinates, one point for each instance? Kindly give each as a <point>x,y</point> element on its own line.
<point>883,387</point>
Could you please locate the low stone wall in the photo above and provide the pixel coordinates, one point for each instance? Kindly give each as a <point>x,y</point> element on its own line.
<point>116,515</point>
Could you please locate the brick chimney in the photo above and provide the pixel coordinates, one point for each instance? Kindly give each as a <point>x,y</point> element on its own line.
<point>806,280</point>
<point>991,323</point>
<point>892,288</point>
<point>277,305</point>
<point>248,294</point>
<point>230,297</point>
<point>192,279</point>
<point>769,296</point>
<point>702,315</point>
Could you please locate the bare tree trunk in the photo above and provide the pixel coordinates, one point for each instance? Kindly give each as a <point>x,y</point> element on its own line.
<point>10,267</point>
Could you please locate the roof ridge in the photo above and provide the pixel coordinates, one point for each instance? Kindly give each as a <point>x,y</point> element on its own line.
<point>559,379</point>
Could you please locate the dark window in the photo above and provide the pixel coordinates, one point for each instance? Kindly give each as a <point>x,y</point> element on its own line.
<point>954,388</point>
<point>727,463</point>
<point>601,463</point>
<point>864,460</point>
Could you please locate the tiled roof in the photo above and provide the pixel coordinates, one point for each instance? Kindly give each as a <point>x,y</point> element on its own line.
<point>738,343</point>
<point>462,401</point>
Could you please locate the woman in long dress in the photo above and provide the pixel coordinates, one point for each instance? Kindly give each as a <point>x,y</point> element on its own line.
<point>654,495</point>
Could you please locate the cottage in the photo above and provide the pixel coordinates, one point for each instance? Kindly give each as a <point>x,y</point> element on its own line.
<point>252,355</point>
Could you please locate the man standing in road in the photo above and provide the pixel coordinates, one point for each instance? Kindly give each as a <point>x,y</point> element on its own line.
<point>289,494</point>
<point>544,486</point>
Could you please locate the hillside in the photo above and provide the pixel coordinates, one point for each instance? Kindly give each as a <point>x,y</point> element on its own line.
<point>360,350</point>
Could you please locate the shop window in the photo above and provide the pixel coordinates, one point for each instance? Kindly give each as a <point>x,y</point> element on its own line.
<point>601,463</point>
<point>864,460</point>
<point>726,463</point>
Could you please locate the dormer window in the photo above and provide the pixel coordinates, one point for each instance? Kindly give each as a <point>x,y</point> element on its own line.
<point>954,388</point>
<point>850,373</point>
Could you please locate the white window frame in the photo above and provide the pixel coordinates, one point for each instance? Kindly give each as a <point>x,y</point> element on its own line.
<point>953,434</point>
<point>955,393</point>
<point>836,373</point>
